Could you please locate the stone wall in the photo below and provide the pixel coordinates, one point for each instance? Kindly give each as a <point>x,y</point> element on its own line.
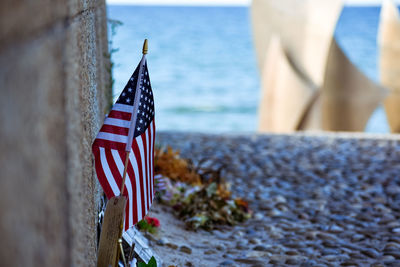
<point>54,82</point>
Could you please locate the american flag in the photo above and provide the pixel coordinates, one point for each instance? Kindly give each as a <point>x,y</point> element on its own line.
<point>110,146</point>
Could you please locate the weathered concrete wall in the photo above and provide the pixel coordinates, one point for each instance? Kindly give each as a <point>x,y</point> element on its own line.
<point>54,82</point>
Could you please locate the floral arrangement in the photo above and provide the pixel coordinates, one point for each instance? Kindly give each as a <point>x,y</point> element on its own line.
<point>149,224</point>
<point>199,196</point>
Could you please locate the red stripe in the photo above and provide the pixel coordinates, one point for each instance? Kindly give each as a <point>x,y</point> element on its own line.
<point>149,156</point>
<point>152,156</point>
<point>131,175</point>
<point>122,155</point>
<point>149,165</point>
<point>114,129</point>
<point>136,151</point>
<point>135,201</point>
<point>146,167</point>
<point>120,115</point>
<point>100,173</point>
<point>109,144</point>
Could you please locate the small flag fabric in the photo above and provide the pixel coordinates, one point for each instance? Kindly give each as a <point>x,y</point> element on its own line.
<point>109,148</point>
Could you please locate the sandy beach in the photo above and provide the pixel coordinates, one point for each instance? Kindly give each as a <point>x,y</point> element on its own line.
<point>318,200</point>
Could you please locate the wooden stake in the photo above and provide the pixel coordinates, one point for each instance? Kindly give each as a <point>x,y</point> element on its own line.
<point>111,231</point>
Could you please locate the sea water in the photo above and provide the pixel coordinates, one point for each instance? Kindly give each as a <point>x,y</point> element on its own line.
<point>202,63</point>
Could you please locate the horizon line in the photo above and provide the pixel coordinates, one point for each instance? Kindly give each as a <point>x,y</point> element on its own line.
<point>238,3</point>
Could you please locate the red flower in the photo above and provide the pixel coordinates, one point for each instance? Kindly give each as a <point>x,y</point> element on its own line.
<point>153,221</point>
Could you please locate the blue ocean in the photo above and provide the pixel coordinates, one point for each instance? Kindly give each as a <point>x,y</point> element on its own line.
<point>203,67</point>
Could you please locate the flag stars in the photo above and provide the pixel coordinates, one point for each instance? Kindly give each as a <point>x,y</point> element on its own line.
<point>145,105</point>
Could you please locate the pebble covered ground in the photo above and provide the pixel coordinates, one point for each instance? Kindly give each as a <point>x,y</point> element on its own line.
<point>318,200</point>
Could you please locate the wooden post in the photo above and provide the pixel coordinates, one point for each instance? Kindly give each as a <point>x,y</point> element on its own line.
<point>111,231</point>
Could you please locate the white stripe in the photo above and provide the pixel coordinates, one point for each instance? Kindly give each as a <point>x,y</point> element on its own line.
<point>128,185</point>
<point>152,161</point>
<point>141,152</point>
<point>122,107</point>
<point>111,137</point>
<point>154,143</point>
<point>148,163</point>
<point>150,173</point>
<point>107,172</point>
<point>117,122</point>
<point>138,203</point>
<point>152,158</point>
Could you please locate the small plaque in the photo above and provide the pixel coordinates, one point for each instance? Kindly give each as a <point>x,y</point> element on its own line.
<point>142,249</point>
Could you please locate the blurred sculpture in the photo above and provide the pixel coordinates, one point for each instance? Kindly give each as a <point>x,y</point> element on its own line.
<point>285,93</point>
<point>304,27</point>
<point>307,81</point>
<point>348,97</point>
<point>389,45</point>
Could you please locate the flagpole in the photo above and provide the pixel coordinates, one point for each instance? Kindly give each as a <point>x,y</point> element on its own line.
<point>134,115</point>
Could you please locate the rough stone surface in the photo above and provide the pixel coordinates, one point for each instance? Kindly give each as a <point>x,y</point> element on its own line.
<point>318,200</point>
<point>53,82</point>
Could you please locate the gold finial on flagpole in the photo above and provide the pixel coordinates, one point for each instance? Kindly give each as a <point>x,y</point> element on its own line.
<point>145,47</point>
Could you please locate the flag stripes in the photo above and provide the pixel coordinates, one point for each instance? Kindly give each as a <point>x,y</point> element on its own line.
<point>109,153</point>
<point>111,145</point>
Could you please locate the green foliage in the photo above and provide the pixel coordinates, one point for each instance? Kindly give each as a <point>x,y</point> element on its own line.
<point>152,263</point>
